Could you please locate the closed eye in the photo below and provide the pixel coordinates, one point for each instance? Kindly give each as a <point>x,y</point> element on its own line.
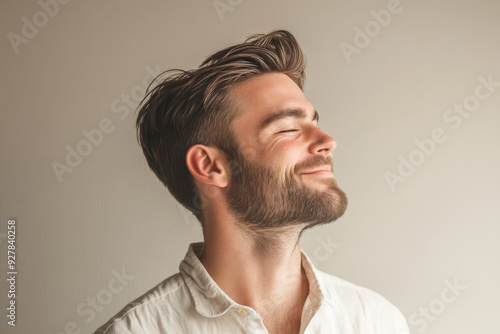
<point>290,130</point>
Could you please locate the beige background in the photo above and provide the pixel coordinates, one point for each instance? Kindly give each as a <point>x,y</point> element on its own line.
<point>110,213</point>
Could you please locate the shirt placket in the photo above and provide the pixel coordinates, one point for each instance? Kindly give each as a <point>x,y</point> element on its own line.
<point>250,321</point>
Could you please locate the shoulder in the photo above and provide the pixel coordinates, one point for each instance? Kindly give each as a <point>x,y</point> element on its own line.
<point>157,301</point>
<point>361,304</point>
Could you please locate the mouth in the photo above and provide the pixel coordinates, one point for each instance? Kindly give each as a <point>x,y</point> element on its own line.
<point>324,170</point>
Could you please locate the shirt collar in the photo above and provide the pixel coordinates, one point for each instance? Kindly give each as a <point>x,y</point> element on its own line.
<point>210,301</point>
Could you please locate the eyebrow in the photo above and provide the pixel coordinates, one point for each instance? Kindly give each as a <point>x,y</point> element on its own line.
<point>297,113</point>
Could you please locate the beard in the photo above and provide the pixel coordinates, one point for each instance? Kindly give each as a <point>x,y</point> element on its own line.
<point>261,198</point>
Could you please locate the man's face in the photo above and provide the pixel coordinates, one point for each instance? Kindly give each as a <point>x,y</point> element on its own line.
<point>284,169</point>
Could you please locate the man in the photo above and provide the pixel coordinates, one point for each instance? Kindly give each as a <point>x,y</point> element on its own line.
<point>237,143</point>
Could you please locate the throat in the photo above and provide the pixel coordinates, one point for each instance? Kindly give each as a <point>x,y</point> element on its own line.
<point>284,315</point>
<point>281,322</point>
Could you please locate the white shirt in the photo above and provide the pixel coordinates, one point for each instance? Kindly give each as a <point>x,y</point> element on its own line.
<point>191,302</point>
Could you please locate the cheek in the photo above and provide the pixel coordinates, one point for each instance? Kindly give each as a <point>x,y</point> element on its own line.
<point>283,146</point>
<point>290,149</point>
<point>284,154</point>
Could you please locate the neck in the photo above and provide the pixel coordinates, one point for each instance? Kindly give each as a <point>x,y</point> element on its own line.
<point>260,269</point>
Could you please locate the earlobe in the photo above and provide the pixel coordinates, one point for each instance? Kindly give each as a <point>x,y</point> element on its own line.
<point>206,165</point>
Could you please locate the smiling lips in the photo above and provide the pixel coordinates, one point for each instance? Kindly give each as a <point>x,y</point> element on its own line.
<point>325,170</point>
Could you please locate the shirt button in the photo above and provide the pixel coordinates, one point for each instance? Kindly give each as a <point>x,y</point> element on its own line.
<point>242,311</point>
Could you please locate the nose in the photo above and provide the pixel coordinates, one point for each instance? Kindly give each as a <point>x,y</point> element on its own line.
<point>321,143</point>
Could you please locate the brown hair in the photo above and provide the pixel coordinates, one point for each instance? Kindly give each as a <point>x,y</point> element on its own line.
<point>193,107</point>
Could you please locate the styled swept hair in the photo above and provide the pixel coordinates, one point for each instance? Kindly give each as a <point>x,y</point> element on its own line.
<point>193,107</point>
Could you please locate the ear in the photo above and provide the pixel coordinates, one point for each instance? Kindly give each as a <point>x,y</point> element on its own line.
<point>207,165</point>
